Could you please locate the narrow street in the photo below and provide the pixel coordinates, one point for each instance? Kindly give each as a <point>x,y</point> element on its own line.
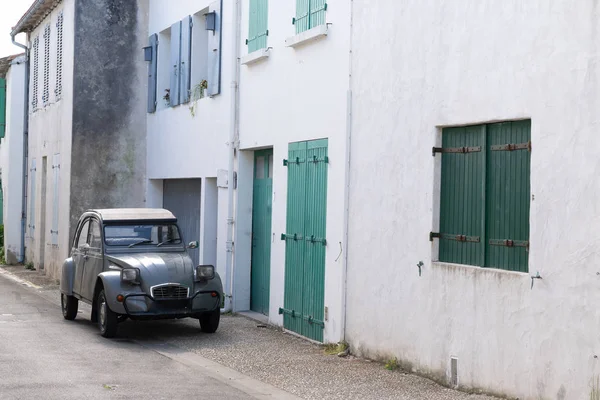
<point>44,356</point>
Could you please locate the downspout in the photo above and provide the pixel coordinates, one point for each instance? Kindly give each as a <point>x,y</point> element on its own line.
<point>21,258</point>
<point>347,171</point>
<point>233,129</point>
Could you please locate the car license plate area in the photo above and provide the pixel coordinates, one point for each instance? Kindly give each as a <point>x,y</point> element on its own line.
<point>169,306</point>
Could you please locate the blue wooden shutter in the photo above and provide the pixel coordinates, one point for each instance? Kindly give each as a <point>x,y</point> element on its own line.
<point>258,25</point>
<point>214,51</point>
<point>302,20</point>
<point>2,107</point>
<point>317,12</point>
<point>175,63</point>
<point>55,198</point>
<point>186,59</point>
<point>152,73</point>
<point>31,219</point>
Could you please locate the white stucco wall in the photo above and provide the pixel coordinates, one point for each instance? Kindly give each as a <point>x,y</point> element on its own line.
<point>11,159</point>
<point>296,94</point>
<point>50,130</point>
<point>184,146</point>
<point>421,65</point>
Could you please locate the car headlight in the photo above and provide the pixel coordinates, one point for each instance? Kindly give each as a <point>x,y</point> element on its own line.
<point>205,272</point>
<point>130,275</point>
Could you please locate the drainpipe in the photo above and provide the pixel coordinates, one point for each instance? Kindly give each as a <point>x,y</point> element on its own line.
<point>21,258</point>
<point>347,173</point>
<point>233,142</point>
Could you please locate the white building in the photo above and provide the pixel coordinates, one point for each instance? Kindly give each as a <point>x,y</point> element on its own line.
<point>457,75</point>
<point>12,111</point>
<point>86,128</point>
<point>191,54</point>
<point>290,211</point>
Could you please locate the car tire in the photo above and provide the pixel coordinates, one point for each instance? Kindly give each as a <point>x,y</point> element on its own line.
<point>209,322</point>
<point>69,305</point>
<point>107,319</point>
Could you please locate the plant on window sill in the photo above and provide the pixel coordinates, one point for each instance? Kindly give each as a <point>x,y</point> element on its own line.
<point>197,93</point>
<point>167,97</point>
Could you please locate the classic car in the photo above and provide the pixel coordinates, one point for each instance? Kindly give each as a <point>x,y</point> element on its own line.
<point>133,263</point>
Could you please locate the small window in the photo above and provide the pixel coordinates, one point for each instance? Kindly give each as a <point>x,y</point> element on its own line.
<point>95,235</point>
<point>83,234</point>
<point>260,167</point>
<point>258,25</point>
<point>485,195</point>
<point>309,14</point>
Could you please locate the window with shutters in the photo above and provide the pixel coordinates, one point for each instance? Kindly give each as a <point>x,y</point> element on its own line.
<point>164,70</point>
<point>485,195</point>
<point>46,88</point>
<point>2,108</point>
<point>59,55</point>
<point>199,69</point>
<point>35,74</point>
<point>309,14</point>
<point>258,25</point>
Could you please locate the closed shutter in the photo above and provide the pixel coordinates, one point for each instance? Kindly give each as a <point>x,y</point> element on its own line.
<point>508,196</point>
<point>55,198</point>
<point>214,50</point>
<point>485,195</point>
<point>186,59</point>
<point>462,196</point>
<point>258,25</point>
<point>317,12</point>
<point>302,20</point>
<point>32,174</point>
<point>295,244</point>
<point>152,73</point>
<point>2,108</point>
<point>175,63</point>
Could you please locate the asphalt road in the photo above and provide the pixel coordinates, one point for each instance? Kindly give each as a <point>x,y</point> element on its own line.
<point>44,356</point>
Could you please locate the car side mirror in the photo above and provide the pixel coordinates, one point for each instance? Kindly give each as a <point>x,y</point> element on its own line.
<point>193,245</point>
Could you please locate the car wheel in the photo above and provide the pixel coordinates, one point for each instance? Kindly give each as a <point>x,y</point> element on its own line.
<point>107,319</point>
<point>209,322</point>
<point>69,305</point>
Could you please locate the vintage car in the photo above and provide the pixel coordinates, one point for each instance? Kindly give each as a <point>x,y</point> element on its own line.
<point>133,263</point>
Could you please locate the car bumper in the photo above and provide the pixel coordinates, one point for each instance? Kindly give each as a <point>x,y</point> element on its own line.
<point>144,306</point>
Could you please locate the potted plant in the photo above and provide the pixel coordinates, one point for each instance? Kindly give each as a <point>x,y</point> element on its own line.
<point>167,97</point>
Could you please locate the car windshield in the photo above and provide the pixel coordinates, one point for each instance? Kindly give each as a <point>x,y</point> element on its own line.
<point>148,234</point>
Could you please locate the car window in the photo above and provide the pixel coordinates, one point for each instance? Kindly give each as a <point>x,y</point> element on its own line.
<point>95,237</point>
<point>149,234</point>
<point>83,234</point>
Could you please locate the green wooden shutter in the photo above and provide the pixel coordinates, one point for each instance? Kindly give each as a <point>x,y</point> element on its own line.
<point>295,243</point>
<point>317,12</point>
<point>462,196</point>
<point>508,194</point>
<point>258,25</point>
<point>302,20</point>
<point>2,107</point>
<point>314,236</point>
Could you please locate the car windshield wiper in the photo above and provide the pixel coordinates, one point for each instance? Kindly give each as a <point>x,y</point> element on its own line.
<point>140,242</point>
<point>166,241</point>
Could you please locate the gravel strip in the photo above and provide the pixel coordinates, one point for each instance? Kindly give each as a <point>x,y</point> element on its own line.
<point>280,359</point>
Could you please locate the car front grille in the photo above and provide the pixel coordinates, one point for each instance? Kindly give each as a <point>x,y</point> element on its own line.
<point>169,292</point>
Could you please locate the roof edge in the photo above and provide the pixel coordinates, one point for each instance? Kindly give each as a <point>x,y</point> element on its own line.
<point>36,13</point>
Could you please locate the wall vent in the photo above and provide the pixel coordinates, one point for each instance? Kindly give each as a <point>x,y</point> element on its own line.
<point>454,371</point>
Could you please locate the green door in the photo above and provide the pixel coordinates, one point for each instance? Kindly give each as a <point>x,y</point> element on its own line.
<point>304,302</point>
<point>261,231</point>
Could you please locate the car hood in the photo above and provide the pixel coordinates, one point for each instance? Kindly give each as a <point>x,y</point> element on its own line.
<point>159,268</point>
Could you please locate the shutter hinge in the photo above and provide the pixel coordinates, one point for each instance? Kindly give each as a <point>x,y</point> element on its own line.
<point>458,238</point>
<point>473,149</point>
<point>294,237</point>
<point>294,21</point>
<point>509,243</point>
<point>511,147</point>
<point>296,161</point>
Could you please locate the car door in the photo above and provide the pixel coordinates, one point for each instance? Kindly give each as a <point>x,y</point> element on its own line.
<point>94,262</point>
<point>79,255</point>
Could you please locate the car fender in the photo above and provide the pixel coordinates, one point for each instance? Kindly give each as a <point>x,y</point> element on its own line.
<point>67,277</point>
<point>111,282</point>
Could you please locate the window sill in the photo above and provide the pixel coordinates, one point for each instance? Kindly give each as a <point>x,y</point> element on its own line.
<point>255,57</point>
<point>308,36</point>
<point>476,269</point>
